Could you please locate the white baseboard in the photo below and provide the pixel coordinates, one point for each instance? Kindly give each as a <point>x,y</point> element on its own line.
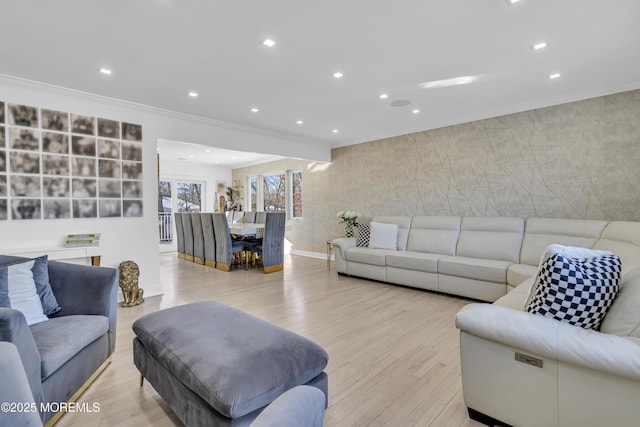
<point>318,255</point>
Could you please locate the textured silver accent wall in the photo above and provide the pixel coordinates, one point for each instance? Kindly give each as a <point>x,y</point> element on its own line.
<point>576,160</point>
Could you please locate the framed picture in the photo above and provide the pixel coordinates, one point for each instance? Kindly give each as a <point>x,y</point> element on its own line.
<point>22,162</point>
<point>132,208</point>
<point>3,138</point>
<point>108,168</point>
<point>109,149</point>
<point>85,208</point>
<point>83,187</point>
<point>3,209</point>
<point>3,161</point>
<point>108,128</point>
<point>1,112</point>
<point>55,120</point>
<point>131,151</point>
<point>3,186</point>
<point>109,188</point>
<point>132,189</point>
<point>110,208</point>
<point>83,166</point>
<point>131,170</point>
<point>56,208</point>
<point>25,186</point>
<point>55,142</point>
<point>83,146</point>
<point>24,139</point>
<point>55,165</point>
<point>55,187</point>
<point>85,125</point>
<point>25,209</point>
<point>23,115</point>
<point>131,132</point>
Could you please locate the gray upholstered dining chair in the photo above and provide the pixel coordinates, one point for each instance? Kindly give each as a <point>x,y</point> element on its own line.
<point>198,238</point>
<point>272,246</point>
<point>209,236</point>
<point>261,217</point>
<point>225,247</point>
<point>188,236</point>
<point>250,217</point>
<point>179,235</point>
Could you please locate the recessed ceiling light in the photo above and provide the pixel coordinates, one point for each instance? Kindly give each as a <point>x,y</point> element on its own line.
<point>464,80</point>
<point>416,111</point>
<point>539,46</point>
<point>554,76</point>
<point>191,156</point>
<point>207,150</point>
<point>510,2</point>
<point>299,122</point>
<point>193,94</point>
<point>335,131</point>
<point>106,71</point>
<point>254,110</point>
<point>268,42</point>
<point>338,75</point>
<point>383,96</point>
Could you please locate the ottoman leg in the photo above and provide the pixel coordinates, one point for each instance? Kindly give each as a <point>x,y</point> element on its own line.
<point>141,380</point>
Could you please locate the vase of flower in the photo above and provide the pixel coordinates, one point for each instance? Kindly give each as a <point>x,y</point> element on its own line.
<point>350,221</point>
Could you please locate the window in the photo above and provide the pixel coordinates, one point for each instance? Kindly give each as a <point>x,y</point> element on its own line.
<point>274,192</point>
<point>296,193</point>
<point>253,193</point>
<point>189,197</point>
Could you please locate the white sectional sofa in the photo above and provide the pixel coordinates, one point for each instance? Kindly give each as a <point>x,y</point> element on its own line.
<point>528,370</point>
<point>478,257</point>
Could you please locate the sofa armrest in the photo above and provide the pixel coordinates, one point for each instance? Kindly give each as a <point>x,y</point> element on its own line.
<point>552,339</point>
<point>342,245</point>
<point>81,289</point>
<point>14,329</point>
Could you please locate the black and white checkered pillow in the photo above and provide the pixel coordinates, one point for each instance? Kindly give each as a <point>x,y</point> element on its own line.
<point>364,231</point>
<point>576,290</point>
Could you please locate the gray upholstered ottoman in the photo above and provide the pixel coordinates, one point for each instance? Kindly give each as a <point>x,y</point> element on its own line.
<point>218,366</point>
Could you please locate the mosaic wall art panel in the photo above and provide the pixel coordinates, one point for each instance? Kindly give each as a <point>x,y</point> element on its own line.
<point>56,164</point>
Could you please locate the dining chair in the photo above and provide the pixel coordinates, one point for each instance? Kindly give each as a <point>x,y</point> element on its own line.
<point>188,236</point>
<point>209,237</point>
<point>179,235</point>
<point>225,247</point>
<point>261,217</point>
<point>198,238</point>
<point>272,247</point>
<point>250,217</point>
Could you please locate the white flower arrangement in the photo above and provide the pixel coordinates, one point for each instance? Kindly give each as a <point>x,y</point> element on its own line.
<point>350,218</point>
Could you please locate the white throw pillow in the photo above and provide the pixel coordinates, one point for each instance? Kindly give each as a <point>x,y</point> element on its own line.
<point>623,317</point>
<point>22,292</point>
<point>383,236</point>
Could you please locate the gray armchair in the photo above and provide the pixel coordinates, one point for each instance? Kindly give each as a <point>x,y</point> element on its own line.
<point>61,355</point>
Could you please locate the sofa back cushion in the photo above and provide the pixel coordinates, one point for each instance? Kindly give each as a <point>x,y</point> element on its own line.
<point>623,317</point>
<point>623,239</point>
<point>403,223</point>
<point>539,233</point>
<point>498,238</point>
<point>434,234</point>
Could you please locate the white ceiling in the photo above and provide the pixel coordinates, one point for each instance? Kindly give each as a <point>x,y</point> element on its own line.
<point>159,50</point>
<point>194,153</point>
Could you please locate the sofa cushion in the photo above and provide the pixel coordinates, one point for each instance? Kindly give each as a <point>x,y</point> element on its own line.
<point>21,293</point>
<point>417,261</point>
<point>368,256</point>
<point>496,238</point>
<point>575,290</point>
<point>518,273</point>
<point>623,317</point>
<point>517,298</point>
<point>539,233</point>
<point>383,236</point>
<point>434,234</point>
<point>61,338</point>
<point>623,239</point>
<point>489,270</point>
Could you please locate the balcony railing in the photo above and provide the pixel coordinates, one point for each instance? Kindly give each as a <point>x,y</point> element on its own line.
<point>164,224</point>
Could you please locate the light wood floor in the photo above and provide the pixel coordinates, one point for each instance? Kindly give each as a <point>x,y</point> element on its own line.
<point>394,354</point>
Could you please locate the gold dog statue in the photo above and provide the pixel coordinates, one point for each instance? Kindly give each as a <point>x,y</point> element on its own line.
<point>129,273</point>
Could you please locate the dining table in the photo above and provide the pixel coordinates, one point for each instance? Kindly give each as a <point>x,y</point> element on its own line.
<point>246,229</point>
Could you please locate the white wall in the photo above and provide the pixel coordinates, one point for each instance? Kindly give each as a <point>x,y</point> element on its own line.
<point>132,238</point>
